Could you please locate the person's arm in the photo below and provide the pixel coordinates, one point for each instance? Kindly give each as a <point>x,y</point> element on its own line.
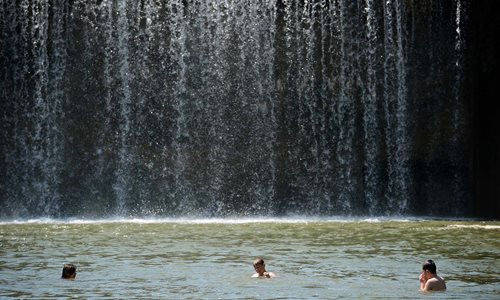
<point>422,281</point>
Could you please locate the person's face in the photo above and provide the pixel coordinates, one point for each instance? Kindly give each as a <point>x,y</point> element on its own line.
<point>425,274</point>
<point>259,268</point>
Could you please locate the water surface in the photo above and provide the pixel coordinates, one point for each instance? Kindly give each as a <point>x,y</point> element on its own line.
<point>212,259</point>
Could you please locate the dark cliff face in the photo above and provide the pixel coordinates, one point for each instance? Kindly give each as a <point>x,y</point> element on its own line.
<point>482,57</point>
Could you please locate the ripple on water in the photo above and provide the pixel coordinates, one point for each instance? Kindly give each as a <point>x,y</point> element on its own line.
<point>213,259</point>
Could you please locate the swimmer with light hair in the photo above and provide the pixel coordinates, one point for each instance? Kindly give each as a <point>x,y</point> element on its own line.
<point>260,269</point>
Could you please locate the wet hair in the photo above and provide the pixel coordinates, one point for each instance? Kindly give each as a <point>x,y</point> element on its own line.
<point>430,266</point>
<point>69,271</point>
<point>258,261</point>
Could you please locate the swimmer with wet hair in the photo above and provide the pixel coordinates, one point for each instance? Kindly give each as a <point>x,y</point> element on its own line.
<point>429,280</point>
<point>69,271</point>
<point>260,269</point>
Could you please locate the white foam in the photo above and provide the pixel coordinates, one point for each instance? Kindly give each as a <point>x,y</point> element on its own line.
<point>196,220</point>
<point>474,226</point>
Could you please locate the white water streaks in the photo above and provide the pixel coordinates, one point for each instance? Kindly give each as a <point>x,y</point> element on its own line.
<point>222,107</point>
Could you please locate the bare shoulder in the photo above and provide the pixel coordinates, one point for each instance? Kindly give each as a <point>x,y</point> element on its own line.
<point>265,275</point>
<point>435,284</point>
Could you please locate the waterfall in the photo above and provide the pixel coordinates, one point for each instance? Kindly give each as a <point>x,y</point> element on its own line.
<point>370,124</point>
<point>233,107</point>
<point>34,85</point>
<point>345,107</point>
<point>458,131</point>
<point>178,38</point>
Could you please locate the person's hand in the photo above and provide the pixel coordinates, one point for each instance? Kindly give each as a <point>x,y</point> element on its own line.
<point>423,280</point>
<point>422,277</point>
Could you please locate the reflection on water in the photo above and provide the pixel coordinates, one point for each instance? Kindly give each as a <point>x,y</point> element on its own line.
<point>211,259</point>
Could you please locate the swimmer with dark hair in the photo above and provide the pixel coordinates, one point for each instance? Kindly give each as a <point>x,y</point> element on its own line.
<point>429,280</point>
<point>69,271</point>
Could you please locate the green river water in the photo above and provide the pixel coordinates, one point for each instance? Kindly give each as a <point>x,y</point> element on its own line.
<point>212,258</point>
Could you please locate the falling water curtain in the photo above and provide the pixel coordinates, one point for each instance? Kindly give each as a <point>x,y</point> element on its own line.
<point>233,107</point>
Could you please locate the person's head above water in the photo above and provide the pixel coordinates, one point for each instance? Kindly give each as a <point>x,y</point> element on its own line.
<point>69,271</point>
<point>258,261</point>
<point>260,269</point>
<point>430,266</point>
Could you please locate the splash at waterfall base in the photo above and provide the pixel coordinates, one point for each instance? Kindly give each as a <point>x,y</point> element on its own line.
<point>212,259</point>
<point>223,108</point>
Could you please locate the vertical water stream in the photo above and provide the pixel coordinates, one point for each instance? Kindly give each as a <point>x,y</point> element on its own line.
<point>214,108</point>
